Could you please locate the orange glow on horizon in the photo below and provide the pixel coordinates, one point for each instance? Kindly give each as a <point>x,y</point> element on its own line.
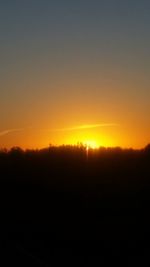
<point>91,135</point>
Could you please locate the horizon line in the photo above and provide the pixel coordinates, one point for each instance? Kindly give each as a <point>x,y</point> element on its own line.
<point>78,144</point>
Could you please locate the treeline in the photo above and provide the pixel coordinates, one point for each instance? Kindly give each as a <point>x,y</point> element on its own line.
<point>75,167</point>
<point>71,193</point>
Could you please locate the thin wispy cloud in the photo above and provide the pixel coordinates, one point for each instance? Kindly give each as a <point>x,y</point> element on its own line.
<point>85,126</point>
<point>5,132</point>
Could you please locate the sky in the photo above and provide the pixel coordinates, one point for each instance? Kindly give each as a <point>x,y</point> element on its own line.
<point>74,71</point>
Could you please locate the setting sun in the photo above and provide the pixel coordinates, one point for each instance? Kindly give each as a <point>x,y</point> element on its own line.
<point>91,144</point>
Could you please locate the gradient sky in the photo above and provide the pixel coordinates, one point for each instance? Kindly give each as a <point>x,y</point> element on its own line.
<point>67,66</point>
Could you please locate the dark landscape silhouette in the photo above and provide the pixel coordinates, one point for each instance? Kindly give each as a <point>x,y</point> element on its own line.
<point>62,207</point>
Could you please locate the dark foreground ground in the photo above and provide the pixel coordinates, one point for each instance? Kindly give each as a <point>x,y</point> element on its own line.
<point>60,208</point>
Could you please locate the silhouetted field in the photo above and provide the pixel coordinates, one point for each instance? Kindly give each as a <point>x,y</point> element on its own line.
<point>62,207</point>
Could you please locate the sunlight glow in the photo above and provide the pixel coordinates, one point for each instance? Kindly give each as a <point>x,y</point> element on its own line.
<point>90,144</point>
